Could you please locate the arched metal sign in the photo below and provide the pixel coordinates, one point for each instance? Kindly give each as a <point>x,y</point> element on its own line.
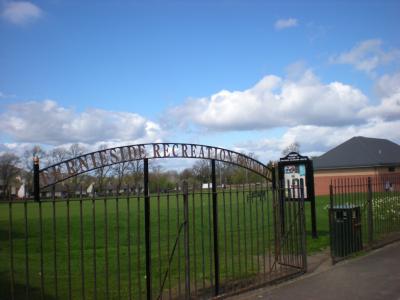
<point>87,162</point>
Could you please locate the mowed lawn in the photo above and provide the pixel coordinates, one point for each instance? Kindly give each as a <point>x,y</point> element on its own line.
<point>103,229</point>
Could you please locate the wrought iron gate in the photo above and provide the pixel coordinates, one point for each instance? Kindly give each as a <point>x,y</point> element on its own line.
<point>186,242</point>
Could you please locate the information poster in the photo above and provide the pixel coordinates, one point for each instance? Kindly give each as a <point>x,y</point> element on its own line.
<point>295,179</point>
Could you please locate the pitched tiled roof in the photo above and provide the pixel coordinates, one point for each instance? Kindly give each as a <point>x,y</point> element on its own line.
<point>360,152</point>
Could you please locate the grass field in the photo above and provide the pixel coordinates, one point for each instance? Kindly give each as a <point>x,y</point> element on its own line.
<point>99,229</point>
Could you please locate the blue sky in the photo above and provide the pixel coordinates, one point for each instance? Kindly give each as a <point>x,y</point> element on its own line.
<point>131,71</point>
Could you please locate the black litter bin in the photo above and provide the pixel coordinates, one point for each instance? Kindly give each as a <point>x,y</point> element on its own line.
<point>346,235</point>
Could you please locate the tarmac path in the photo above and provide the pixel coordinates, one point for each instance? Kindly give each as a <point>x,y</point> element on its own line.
<point>375,275</point>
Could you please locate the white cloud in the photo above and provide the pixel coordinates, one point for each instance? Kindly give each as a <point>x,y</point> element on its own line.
<point>388,84</point>
<point>367,56</point>
<point>317,115</point>
<point>285,23</point>
<point>275,102</point>
<point>387,109</point>
<point>47,122</point>
<point>21,12</point>
<point>388,87</point>
<point>315,140</point>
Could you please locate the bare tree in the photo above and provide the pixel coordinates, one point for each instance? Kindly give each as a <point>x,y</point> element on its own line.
<point>57,155</point>
<point>122,170</point>
<point>75,150</point>
<point>225,171</point>
<point>8,171</point>
<point>156,176</point>
<point>128,172</point>
<point>187,174</point>
<point>102,172</point>
<point>137,170</point>
<point>201,169</point>
<point>293,147</point>
<point>35,151</point>
<point>240,175</point>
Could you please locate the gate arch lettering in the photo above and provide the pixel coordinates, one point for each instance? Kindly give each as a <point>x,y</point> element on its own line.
<point>102,158</point>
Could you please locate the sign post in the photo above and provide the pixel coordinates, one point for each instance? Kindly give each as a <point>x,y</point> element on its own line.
<point>296,176</point>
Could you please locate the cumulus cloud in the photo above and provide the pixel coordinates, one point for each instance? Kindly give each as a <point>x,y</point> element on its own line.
<point>315,140</point>
<point>388,84</point>
<point>387,109</point>
<point>49,123</point>
<point>321,138</point>
<point>21,12</point>
<point>275,102</point>
<point>367,56</point>
<point>388,87</point>
<point>317,115</point>
<point>285,23</point>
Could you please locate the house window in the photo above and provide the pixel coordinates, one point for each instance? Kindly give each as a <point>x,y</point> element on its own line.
<point>391,169</point>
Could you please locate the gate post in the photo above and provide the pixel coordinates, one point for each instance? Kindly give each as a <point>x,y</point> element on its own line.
<point>370,213</point>
<point>147,226</point>
<point>273,172</point>
<point>303,230</point>
<point>36,186</point>
<point>331,234</point>
<point>276,196</point>
<point>215,227</point>
<point>186,238</point>
<point>311,192</point>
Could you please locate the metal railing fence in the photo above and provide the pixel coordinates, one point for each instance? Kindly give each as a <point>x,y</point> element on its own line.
<point>93,246</point>
<point>378,201</point>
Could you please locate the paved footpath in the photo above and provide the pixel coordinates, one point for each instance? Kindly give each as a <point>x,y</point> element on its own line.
<point>373,276</point>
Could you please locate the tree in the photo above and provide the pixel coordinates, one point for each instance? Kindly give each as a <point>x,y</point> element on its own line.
<point>75,150</point>
<point>123,170</point>
<point>223,172</point>
<point>8,171</point>
<point>35,151</point>
<point>119,170</point>
<point>188,175</point>
<point>202,170</point>
<point>27,163</point>
<point>57,155</point>
<point>101,173</point>
<point>293,147</point>
<point>240,175</point>
<point>158,180</point>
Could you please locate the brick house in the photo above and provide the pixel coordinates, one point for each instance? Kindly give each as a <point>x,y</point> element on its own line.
<point>357,158</point>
